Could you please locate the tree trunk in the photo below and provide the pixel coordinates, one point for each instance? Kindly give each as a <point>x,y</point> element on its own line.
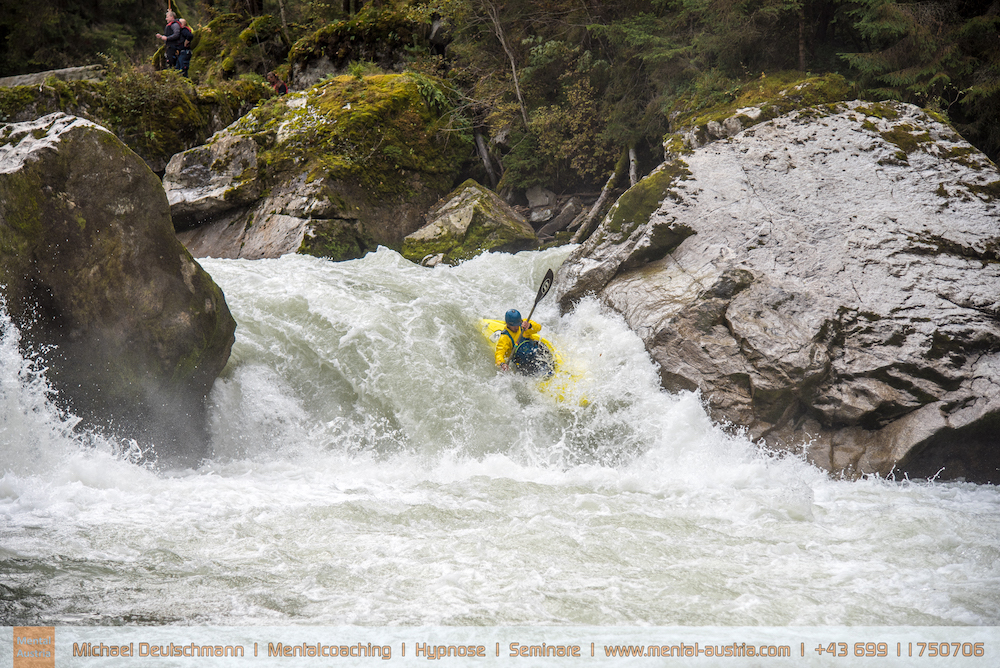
<point>284,23</point>
<point>494,15</point>
<point>633,166</point>
<point>586,227</point>
<point>485,155</point>
<point>802,39</point>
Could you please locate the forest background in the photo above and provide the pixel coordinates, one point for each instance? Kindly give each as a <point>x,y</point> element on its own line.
<point>564,91</point>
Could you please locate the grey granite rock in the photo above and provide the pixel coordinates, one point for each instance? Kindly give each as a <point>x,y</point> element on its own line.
<point>829,280</point>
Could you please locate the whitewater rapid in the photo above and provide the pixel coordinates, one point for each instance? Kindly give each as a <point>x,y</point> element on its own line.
<point>370,467</point>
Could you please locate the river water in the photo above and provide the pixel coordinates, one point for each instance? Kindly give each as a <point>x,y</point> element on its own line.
<point>370,467</point>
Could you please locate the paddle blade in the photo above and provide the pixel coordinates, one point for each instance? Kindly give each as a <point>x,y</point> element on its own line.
<point>544,287</point>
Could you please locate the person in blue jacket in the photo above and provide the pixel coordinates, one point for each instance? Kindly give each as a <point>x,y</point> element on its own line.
<point>184,47</point>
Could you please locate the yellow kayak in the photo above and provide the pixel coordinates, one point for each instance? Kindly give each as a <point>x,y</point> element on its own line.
<point>558,383</point>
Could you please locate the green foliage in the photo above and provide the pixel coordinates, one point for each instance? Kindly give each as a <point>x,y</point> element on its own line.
<point>568,142</point>
<point>232,45</point>
<point>932,55</point>
<point>155,113</point>
<point>52,34</point>
<point>135,101</point>
<point>594,78</point>
<point>437,99</point>
<point>372,134</point>
<point>372,35</point>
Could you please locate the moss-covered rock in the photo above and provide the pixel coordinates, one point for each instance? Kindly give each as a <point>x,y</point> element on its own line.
<point>374,152</point>
<point>131,329</point>
<point>232,45</point>
<point>755,102</point>
<point>374,35</point>
<point>469,221</point>
<point>156,114</point>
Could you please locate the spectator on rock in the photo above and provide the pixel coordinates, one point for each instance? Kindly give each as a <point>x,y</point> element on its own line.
<point>279,86</point>
<point>171,39</point>
<point>184,55</point>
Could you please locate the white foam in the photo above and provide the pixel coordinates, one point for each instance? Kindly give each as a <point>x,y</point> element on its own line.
<point>371,467</point>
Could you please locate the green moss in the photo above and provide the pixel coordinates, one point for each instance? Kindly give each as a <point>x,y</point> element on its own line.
<point>15,100</point>
<point>637,205</point>
<point>232,45</point>
<point>906,137</point>
<point>337,239</point>
<point>899,158</point>
<point>989,192</point>
<point>775,95</point>
<point>377,132</point>
<point>22,222</point>
<point>897,339</point>
<point>366,36</point>
<point>938,116</point>
<point>674,146</point>
<point>881,110</point>
<point>967,156</point>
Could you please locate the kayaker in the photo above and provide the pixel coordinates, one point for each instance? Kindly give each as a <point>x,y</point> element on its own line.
<point>513,334</point>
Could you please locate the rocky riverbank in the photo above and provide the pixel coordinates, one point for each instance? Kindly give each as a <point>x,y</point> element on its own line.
<point>828,281</point>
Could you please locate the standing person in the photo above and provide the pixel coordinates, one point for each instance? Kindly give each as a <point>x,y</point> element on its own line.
<point>171,37</point>
<point>184,54</point>
<point>277,84</point>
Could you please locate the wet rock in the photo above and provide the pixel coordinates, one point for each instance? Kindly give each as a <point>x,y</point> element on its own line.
<point>132,330</point>
<point>569,212</point>
<point>542,215</point>
<point>539,197</point>
<point>209,180</point>
<point>828,280</point>
<point>469,221</point>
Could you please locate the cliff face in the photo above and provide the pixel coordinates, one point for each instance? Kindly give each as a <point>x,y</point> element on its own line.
<point>132,330</point>
<point>828,279</point>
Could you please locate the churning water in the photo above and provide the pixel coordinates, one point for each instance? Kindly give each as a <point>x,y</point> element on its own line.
<point>370,467</point>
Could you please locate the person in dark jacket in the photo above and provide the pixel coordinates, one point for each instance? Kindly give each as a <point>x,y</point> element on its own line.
<point>277,84</point>
<point>184,54</point>
<point>171,38</point>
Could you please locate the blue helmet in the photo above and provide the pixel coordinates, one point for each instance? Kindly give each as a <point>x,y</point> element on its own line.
<point>512,317</point>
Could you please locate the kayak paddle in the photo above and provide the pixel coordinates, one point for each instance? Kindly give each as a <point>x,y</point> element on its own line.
<point>543,289</point>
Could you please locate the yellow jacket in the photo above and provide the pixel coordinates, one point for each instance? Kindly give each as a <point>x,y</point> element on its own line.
<point>509,338</point>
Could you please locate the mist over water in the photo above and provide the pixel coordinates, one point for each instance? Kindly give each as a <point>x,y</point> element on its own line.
<point>370,467</point>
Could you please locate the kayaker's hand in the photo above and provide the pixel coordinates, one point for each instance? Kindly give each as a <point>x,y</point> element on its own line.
<point>504,367</point>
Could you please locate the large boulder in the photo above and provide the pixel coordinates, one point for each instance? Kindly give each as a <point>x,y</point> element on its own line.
<point>469,221</point>
<point>334,171</point>
<point>828,280</point>
<point>131,328</point>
